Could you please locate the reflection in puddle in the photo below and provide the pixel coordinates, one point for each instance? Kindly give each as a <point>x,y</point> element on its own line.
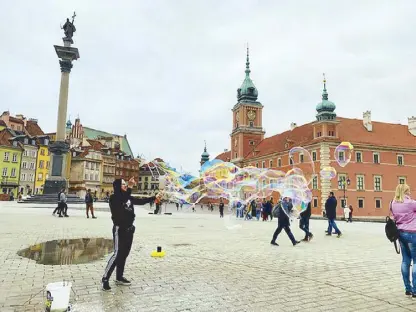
<point>68,251</point>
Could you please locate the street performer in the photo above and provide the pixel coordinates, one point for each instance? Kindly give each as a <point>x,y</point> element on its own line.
<point>122,214</point>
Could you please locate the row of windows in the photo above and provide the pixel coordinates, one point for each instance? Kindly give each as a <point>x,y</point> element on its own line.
<point>376,158</point>
<point>92,177</point>
<point>92,165</point>
<point>27,177</point>
<point>40,176</point>
<point>28,153</point>
<point>147,179</point>
<point>344,203</point>
<point>146,186</point>
<point>7,157</point>
<point>42,164</point>
<point>341,157</point>
<point>12,174</point>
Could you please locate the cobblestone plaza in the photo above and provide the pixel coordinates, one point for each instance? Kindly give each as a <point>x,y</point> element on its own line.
<point>210,265</point>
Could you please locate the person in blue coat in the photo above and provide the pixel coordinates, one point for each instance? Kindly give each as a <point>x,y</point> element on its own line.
<point>331,214</point>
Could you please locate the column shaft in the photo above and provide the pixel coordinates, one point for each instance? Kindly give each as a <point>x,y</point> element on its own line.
<point>63,104</point>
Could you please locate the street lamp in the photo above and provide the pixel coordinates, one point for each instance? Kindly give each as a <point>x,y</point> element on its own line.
<point>343,183</point>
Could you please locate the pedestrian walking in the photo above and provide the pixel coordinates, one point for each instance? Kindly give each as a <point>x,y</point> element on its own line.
<point>350,214</point>
<point>89,202</point>
<point>177,206</point>
<point>304,222</point>
<point>270,208</point>
<point>403,208</point>
<point>221,208</point>
<point>331,214</point>
<point>258,209</point>
<point>122,214</point>
<point>285,208</point>
<point>346,213</point>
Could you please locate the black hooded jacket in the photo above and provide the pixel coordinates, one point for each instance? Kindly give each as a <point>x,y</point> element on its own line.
<point>122,205</point>
<point>307,212</point>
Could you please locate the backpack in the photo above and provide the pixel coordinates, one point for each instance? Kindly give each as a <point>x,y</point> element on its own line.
<point>276,211</point>
<point>392,232</point>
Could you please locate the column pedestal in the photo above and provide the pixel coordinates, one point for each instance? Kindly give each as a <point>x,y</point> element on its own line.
<point>57,179</point>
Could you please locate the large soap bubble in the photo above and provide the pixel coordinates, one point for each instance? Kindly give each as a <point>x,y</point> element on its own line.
<point>328,173</point>
<point>343,153</point>
<point>302,160</point>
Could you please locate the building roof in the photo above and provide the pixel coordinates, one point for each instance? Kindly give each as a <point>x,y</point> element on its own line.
<point>225,156</point>
<point>349,130</point>
<point>33,128</point>
<point>15,120</point>
<point>95,145</point>
<point>93,134</point>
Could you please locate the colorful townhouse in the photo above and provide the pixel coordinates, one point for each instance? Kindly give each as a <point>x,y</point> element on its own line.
<point>10,162</point>
<point>42,163</point>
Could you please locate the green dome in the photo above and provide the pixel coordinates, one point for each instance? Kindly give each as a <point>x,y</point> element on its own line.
<point>325,108</point>
<point>248,91</point>
<point>68,124</point>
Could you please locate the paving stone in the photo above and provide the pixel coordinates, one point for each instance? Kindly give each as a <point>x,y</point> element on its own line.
<point>221,269</point>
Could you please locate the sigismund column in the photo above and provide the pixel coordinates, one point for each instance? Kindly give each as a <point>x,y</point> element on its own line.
<point>60,147</point>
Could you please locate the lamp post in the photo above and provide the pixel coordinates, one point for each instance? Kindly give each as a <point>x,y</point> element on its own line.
<point>343,183</point>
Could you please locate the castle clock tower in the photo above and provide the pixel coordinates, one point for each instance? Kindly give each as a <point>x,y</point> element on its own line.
<point>247,119</point>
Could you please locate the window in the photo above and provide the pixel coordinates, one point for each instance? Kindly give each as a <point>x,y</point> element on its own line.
<point>358,157</point>
<point>341,181</point>
<point>360,202</point>
<point>33,154</point>
<point>257,165</point>
<point>314,155</point>
<point>33,142</point>
<point>146,179</point>
<point>4,172</point>
<point>47,164</point>
<point>319,134</point>
<point>343,202</point>
<point>41,164</point>
<point>235,155</point>
<point>315,202</point>
<point>360,183</point>
<point>279,162</point>
<point>24,165</point>
<point>378,203</point>
<point>402,180</point>
<point>331,133</point>
<point>263,164</point>
<point>14,159</point>
<point>40,176</point>
<point>140,178</point>
<point>46,176</point>
<point>376,158</point>
<point>13,173</point>
<point>290,160</point>
<point>6,156</point>
<point>271,163</point>
<point>26,141</point>
<point>315,183</point>
<point>32,165</point>
<point>14,143</point>
<point>301,158</point>
<point>377,183</point>
<point>96,177</point>
<point>251,124</point>
<point>140,186</point>
<point>400,160</point>
<point>86,176</point>
<point>46,141</point>
<point>251,142</point>
<point>341,155</point>
<point>31,177</point>
<point>23,177</point>
<point>91,176</point>
<point>42,152</point>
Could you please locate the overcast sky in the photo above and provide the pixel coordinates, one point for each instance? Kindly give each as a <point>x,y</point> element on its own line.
<point>166,72</point>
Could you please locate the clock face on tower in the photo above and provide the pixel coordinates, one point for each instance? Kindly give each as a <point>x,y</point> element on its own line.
<point>251,115</point>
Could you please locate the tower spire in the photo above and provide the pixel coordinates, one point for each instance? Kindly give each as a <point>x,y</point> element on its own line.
<point>248,63</point>
<point>324,91</point>
<point>205,148</point>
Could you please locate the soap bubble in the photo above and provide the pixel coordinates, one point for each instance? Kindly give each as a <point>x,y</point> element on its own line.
<point>343,153</point>
<point>302,160</point>
<point>328,173</point>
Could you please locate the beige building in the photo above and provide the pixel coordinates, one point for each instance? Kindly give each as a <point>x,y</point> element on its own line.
<point>86,172</point>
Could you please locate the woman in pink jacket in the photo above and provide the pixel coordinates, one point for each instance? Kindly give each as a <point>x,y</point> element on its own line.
<point>404,212</point>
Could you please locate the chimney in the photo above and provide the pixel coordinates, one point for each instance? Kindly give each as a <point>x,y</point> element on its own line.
<point>225,150</point>
<point>411,124</point>
<point>367,121</point>
<point>33,120</point>
<point>293,125</point>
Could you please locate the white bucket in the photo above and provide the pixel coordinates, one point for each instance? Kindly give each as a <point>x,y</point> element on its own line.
<point>60,292</point>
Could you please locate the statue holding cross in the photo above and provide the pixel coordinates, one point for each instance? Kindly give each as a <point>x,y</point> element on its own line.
<point>69,27</point>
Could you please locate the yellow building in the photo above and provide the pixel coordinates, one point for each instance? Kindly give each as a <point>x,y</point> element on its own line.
<point>10,159</point>
<point>42,163</point>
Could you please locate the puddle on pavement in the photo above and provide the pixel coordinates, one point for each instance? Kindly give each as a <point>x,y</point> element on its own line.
<point>68,251</point>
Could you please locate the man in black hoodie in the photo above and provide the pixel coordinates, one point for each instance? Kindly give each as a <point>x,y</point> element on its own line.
<point>285,207</point>
<point>122,214</point>
<point>331,214</point>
